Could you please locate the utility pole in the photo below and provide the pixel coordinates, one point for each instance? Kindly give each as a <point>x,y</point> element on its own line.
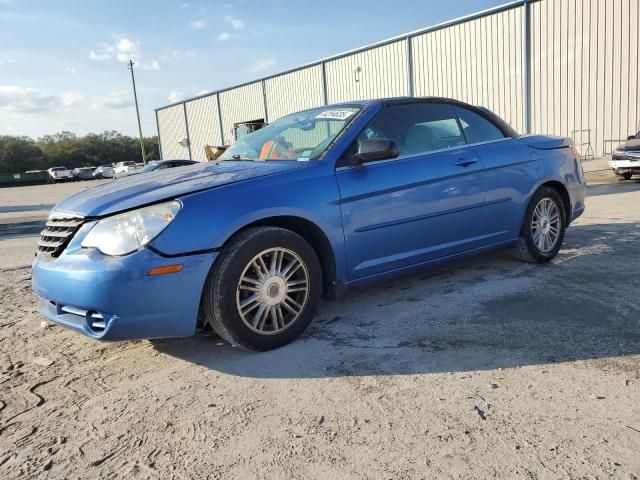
<point>135,98</point>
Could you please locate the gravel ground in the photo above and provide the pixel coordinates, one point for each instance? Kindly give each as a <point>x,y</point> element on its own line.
<point>487,368</point>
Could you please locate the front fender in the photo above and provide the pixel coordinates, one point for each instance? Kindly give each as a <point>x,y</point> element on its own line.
<point>208,219</point>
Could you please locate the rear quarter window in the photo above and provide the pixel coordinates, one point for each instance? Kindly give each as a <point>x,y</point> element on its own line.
<point>477,129</point>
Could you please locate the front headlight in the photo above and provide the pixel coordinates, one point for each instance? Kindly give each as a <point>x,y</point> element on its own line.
<point>127,232</point>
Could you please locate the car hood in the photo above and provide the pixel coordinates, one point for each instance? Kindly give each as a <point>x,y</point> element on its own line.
<point>138,190</point>
<point>631,146</point>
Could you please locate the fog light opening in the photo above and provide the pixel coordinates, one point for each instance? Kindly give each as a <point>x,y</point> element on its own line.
<point>96,321</point>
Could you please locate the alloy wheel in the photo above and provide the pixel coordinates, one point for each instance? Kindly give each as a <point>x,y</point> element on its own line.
<point>272,291</point>
<point>546,225</point>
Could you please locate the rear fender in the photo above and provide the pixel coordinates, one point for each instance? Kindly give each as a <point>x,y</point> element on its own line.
<point>546,142</point>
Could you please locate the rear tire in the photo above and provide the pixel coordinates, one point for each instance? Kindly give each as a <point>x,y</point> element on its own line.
<point>263,289</point>
<point>543,227</point>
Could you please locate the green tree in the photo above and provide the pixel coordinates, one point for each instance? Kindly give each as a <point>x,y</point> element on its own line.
<point>19,154</point>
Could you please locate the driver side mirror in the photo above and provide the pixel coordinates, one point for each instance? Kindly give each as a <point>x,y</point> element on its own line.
<point>374,149</point>
<point>631,137</point>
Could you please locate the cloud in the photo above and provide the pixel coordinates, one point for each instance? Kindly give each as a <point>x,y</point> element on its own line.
<point>184,5</point>
<point>224,36</point>
<point>5,59</point>
<point>123,50</point>
<point>71,70</point>
<point>201,92</point>
<point>71,99</point>
<point>117,100</point>
<point>175,96</point>
<point>177,55</point>
<point>16,99</point>
<point>23,100</point>
<point>198,24</point>
<point>127,49</point>
<point>98,57</point>
<point>152,65</point>
<point>234,22</point>
<point>262,65</point>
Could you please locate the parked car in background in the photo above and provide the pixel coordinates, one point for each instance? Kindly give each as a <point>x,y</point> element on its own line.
<point>103,171</point>
<point>625,161</point>
<point>84,173</point>
<point>316,202</point>
<point>59,174</point>
<point>158,165</point>
<point>124,167</point>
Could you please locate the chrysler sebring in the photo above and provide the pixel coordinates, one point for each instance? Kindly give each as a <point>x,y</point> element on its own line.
<point>315,203</point>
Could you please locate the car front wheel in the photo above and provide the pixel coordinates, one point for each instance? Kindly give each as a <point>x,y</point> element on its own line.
<point>543,227</point>
<point>264,289</point>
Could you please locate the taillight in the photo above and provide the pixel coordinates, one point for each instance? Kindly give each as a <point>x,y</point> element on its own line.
<point>576,153</point>
<point>578,164</point>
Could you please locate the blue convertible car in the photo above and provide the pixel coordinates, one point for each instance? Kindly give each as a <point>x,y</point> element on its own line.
<point>318,201</point>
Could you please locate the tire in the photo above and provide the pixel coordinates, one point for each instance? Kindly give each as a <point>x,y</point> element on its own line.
<point>231,307</point>
<point>531,246</point>
<point>627,175</point>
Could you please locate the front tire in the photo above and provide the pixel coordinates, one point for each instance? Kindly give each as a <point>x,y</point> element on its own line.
<point>264,289</point>
<point>543,227</point>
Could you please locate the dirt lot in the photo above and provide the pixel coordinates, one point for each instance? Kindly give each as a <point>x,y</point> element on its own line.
<point>489,368</point>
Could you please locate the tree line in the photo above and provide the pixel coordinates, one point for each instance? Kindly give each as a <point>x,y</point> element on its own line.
<point>21,154</point>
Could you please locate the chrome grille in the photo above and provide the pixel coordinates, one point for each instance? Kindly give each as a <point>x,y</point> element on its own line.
<point>57,234</point>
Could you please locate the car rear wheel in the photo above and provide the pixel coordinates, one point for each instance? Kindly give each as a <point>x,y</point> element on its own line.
<point>543,227</point>
<point>263,290</point>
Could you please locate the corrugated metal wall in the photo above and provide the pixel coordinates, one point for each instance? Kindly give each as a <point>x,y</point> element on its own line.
<point>204,126</point>
<point>584,74</point>
<point>241,104</point>
<point>375,73</point>
<point>479,62</point>
<point>172,128</point>
<point>585,70</point>
<point>294,91</point>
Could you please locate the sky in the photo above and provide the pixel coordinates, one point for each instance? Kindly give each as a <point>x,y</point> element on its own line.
<point>63,62</point>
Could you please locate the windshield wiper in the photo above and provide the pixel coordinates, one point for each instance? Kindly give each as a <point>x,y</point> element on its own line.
<point>241,158</point>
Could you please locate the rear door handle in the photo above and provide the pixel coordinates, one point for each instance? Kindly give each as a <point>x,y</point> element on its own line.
<point>465,162</point>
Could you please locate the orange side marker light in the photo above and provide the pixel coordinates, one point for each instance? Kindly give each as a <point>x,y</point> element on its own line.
<point>165,269</point>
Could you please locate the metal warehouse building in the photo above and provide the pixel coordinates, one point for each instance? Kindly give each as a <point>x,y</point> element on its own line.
<point>564,67</point>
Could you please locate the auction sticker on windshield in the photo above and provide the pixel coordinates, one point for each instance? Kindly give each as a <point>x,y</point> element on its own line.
<point>335,114</point>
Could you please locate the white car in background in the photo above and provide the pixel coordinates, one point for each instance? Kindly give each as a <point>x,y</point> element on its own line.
<point>625,161</point>
<point>124,167</point>
<point>59,174</point>
<point>103,171</point>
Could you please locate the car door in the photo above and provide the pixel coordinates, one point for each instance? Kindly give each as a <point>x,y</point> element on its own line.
<point>511,173</point>
<point>423,205</point>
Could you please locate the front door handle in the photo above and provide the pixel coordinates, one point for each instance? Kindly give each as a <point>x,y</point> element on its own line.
<point>465,162</point>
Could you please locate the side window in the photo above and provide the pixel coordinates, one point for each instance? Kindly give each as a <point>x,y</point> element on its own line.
<point>477,128</point>
<point>417,128</point>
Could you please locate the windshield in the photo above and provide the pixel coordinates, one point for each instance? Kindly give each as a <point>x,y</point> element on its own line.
<point>150,167</point>
<point>300,136</point>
